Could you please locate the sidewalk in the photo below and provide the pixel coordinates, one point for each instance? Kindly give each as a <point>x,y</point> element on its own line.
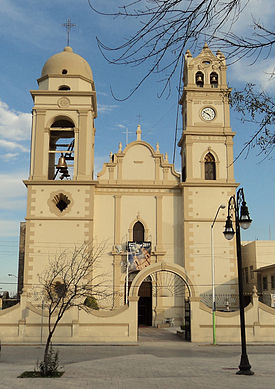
<point>151,364</point>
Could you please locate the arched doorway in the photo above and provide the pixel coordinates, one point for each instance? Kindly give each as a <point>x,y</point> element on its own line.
<point>145,303</point>
<point>164,300</point>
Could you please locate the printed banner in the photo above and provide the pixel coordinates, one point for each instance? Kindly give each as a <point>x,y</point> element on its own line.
<point>139,255</point>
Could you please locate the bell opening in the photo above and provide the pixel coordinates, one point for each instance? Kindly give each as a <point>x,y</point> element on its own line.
<point>61,150</point>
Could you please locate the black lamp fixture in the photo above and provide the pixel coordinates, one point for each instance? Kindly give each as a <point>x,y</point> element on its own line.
<point>237,208</point>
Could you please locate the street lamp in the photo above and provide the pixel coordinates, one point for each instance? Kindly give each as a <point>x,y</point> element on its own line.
<point>213,276</point>
<point>242,219</point>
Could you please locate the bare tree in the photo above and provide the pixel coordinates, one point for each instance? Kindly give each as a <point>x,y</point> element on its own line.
<point>168,27</point>
<point>70,280</point>
<point>258,109</point>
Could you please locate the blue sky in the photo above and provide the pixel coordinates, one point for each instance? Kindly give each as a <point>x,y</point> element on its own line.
<point>31,32</point>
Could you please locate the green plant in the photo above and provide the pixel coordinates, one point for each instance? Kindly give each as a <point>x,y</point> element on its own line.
<point>50,366</point>
<point>91,302</point>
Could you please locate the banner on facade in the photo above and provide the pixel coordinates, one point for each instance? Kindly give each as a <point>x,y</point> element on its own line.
<point>139,255</point>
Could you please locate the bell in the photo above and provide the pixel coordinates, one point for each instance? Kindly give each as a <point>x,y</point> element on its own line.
<point>214,79</point>
<point>61,162</point>
<point>199,79</point>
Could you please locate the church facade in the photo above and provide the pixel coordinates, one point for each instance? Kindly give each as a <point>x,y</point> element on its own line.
<point>154,221</point>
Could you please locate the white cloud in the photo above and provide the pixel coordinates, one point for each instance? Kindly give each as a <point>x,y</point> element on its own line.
<point>13,191</point>
<point>14,125</point>
<point>259,73</point>
<point>259,10</point>
<point>105,108</point>
<point>102,94</point>
<point>12,145</point>
<point>121,126</point>
<point>8,156</point>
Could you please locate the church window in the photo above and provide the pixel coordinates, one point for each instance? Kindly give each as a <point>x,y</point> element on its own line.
<point>209,167</point>
<point>61,150</point>
<point>214,80</point>
<point>64,87</point>
<point>64,71</point>
<point>199,79</point>
<point>138,232</point>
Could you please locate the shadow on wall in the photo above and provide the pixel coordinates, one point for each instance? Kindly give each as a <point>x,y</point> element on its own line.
<point>226,301</point>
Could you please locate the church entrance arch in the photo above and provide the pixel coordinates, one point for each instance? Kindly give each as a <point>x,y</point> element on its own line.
<point>164,293</point>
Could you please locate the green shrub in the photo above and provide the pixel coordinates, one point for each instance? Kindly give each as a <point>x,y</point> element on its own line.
<point>50,369</point>
<point>91,302</point>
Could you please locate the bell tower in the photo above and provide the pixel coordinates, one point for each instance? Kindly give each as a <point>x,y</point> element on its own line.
<point>63,120</point>
<point>60,184</point>
<point>207,166</point>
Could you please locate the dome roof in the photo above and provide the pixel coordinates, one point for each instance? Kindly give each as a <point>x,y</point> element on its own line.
<point>67,62</point>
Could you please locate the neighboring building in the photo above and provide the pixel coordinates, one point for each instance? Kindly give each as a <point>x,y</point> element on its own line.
<point>258,258</point>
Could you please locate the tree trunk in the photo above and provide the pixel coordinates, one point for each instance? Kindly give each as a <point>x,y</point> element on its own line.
<point>46,354</point>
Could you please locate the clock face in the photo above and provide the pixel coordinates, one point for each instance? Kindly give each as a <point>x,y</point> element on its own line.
<point>208,113</point>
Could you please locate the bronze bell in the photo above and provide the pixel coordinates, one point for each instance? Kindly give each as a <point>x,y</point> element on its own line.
<point>214,79</point>
<point>61,162</point>
<point>199,79</point>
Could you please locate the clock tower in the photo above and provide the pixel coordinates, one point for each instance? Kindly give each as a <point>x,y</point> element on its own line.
<point>207,167</point>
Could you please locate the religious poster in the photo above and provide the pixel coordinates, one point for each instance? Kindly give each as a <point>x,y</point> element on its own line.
<point>139,255</point>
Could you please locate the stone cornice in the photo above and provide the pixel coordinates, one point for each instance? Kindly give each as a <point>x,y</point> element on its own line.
<point>61,93</point>
<point>59,182</point>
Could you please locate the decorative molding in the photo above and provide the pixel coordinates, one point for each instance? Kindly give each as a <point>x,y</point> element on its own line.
<point>63,102</point>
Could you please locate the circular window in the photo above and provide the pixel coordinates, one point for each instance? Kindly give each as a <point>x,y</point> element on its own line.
<point>64,71</point>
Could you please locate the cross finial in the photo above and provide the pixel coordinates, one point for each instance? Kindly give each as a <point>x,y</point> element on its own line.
<point>68,25</point>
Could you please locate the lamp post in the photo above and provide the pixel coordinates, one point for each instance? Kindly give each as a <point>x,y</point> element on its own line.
<point>238,208</point>
<point>213,276</point>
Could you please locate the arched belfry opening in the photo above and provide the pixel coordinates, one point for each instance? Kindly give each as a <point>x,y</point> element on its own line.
<point>61,150</point>
<point>209,167</point>
<point>214,80</point>
<point>138,232</point>
<point>199,79</point>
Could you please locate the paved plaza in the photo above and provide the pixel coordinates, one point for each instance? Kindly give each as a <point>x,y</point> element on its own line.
<point>159,360</point>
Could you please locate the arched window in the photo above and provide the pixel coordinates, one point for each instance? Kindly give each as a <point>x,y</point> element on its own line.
<point>61,149</point>
<point>209,167</point>
<point>64,87</point>
<point>214,80</point>
<point>138,232</point>
<point>199,79</point>
<point>62,123</point>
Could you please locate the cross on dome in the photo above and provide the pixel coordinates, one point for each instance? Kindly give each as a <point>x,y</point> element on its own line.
<point>68,25</point>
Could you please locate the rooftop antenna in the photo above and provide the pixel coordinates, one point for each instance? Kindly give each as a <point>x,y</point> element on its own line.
<point>68,25</point>
<point>139,118</point>
<point>127,132</point>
